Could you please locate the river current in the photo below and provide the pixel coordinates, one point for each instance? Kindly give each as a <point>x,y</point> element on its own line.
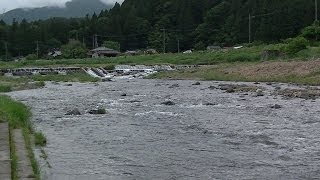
<point>204,133</point>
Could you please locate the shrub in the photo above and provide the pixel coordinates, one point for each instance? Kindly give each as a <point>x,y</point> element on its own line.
<point>5,88</point>
<point>31,57</point>
<point>40,139</point>
<point>295,45</point>
<point>200,46</point>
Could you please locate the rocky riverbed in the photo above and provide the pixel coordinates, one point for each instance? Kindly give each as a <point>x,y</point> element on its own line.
<point>156,129</point>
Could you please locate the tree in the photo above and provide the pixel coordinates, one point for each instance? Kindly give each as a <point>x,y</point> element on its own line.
<point>74,49</point>
<point>112,45</point>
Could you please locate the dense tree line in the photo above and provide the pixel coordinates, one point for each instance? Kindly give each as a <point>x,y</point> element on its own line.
<point>139,24</point>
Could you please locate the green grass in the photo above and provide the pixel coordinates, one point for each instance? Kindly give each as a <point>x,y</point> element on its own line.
<point>38,81</point>
<point>205,57</point>
<point>39,139</point>
<point>247,54</point>
<point>218,73</point>
<point>18,117</point>
<point>16,113</point>
<point>5,88</point>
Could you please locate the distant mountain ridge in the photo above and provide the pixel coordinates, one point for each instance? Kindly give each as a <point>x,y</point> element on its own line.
<point>74,8</point>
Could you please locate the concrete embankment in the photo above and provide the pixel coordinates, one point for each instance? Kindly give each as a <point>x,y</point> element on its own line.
<point>129,71</point>
<point>14,161</point>
<point>5,160</point>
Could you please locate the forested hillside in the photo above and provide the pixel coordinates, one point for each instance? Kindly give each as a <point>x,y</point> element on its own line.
<point>74,8</point>
<point>138,24</point>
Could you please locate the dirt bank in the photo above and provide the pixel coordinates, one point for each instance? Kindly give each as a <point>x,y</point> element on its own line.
<point>299,72</point>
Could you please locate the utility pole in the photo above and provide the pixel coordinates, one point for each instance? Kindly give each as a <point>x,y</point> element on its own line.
<point>96,45</point>
<point>6,47</point>
<point>178,45</point>
<point>164,40</point>
<point>37,49</point>
<point>316,10</point>
<point>250,27</point>
<point>93,37</point>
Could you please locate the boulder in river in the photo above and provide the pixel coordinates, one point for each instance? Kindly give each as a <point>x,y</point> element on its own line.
<point>209,104</point>
<point>168,103</point>
<point>74,112</point>
<point>98,111</point>
<point>230,90</point>
<point>174,86</point>
<point>196,84</point>
<point>259,92</point>
<point>276,106</point>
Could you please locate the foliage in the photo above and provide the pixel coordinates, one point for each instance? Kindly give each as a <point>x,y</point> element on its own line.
<point>74,49</point>
<point>312,32</point>
<point>295,45</point>
<point>111,45</point>
<point>32,57</point>
<point>39,139</point>
<point>200,46</point>
<point>14,112</point>
<point>5,88</point>
<point>139,24</point>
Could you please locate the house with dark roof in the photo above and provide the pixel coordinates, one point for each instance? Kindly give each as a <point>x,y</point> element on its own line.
<point>103,52</point>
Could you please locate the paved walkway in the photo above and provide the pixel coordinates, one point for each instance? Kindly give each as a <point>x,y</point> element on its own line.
<point>24,168</point>
<point>5,163</point>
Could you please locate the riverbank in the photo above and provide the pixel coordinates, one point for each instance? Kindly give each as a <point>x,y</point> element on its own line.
<point>298,72</point>
<point>17,115</point>
<point>11,83</point>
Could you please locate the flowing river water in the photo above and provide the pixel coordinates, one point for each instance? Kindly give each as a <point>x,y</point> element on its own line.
<point>205,134</point>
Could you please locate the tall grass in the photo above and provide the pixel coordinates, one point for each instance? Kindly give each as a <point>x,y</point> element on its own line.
<point>18,116</point>
<point>16,113</point>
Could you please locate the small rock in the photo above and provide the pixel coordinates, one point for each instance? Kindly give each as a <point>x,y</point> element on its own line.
<point>106,79</point>
<point>225,87</point>
<point>174,86</point>
<point>168,103</point>
<point>269,83</point>
<point>69,85</point>
<point>212,87</point>
<point>196,84</point>
<point>260,92</point>
<point>98,111</point>
<point>230,90</point>
<point>209,104</point>
<point>276,106</point>
<point>277,88</point>
<point>123,94</point>
<point>256,83</point>
<point>74,112</point>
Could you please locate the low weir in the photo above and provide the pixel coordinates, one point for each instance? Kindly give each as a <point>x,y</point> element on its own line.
<point>130,71</point>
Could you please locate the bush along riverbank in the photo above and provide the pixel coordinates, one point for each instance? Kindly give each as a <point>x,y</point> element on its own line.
<point>17,115</point>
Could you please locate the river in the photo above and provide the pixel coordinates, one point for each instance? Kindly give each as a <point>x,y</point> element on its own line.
<point>204,134</point>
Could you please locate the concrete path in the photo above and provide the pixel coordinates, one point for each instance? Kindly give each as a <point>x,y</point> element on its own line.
<point>24,168</point>
<point>5,162</point>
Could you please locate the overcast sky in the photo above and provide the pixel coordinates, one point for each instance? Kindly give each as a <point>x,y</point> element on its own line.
<point>7,5</point>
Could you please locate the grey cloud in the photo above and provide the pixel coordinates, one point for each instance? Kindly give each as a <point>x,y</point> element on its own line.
<point>7,5</point>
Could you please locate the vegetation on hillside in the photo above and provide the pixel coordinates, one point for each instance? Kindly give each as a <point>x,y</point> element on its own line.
<point>140,24</point>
